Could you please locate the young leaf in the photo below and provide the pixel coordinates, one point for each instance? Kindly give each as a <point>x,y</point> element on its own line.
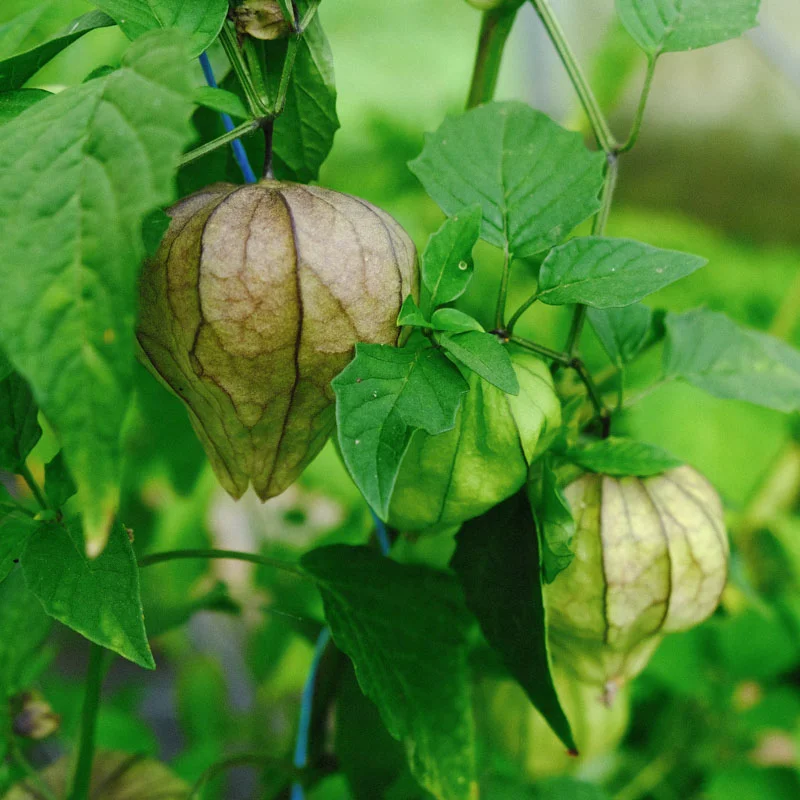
<point>410,314</point>
<point>498,563</point>
<point>454,321</point>
<point>710,351</point>
<point>381,397</point>
<point>220,100</point>
<point>78,174</point>
<point>58,483</point>
<point>201,19</point>
<point>12,104</point>
<point>534,180</point>
<point>668,26</point>
<point>18,69</point>
<point>621,457</point>
<point>99,598</point>
<point>556,524</point>
<point>25,626</point>
<point>304,132</point>
<point>15,530</point>
<point>623,332</point>
<point>484,355</point>
<point>603,272</point>
<point>19,427</point>
<point>405,629</point>
<point>447,263</point>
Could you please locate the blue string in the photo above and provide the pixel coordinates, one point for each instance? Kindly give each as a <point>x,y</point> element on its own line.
<point>384,542</point>
<point>239,153</point>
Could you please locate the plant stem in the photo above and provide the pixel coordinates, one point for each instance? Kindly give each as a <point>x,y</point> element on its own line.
<point>240,130</point>
<point>82,777</point>
<point>36,490</point>
<point>34,780</point>
<point>268,127</point>
<point>311,12</point>
<point>500,312</point>
<point>520,311</point>
<point>255,102</point>
<point>286,73</point>
<point>495,28</point>
<point>242,759</point>
<point>553,355</point>
<point>639,117</point>
<point>235,555</point>
<point>605,139</point>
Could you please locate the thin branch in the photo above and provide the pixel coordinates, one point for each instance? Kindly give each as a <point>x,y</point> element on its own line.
<point>234,555</point>
<point>495,27</point>
<point>500,311</point>
<point>553,355</point>
<point>241,130</point>
<point>602,132</point>
<point>36,490</point>
<point>637,120</point>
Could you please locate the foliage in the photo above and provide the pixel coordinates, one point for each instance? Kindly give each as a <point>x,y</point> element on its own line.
<point>524,429</point>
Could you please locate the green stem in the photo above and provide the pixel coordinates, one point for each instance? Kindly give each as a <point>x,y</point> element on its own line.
<point>605,139</point>
<point>82,777</point>
<point>36,490</point>
<point>500,312</point>
<point>553,355</point>
<point>240,130</point>
<point>639,117</point>
<point>647,779</point>
<point>242,759</point>
<point>575,330</point>
<point>256,103</point>
<point>520,311</point>
<point>591,388</point>
<point>34,780</point>
<point>495,28</point>
<point>311,12</point>
<point>235,555</point>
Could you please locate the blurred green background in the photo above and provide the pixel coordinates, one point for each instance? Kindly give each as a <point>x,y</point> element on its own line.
<point>716,172</point>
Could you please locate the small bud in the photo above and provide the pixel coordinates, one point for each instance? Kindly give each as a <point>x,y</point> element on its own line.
<point>261,19</point>
<point>35,719</point>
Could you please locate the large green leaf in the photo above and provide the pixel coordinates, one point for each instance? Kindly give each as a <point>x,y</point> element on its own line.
<point>78,174</point>
<point>382,396</point>
<point>17,69</point>
<point>447,264</point>
<point>405,629</point>
<point>622,457</point>
<point>14,32</point>
<point>24,625</point>
<point>534,180</point>
<point>99,598</point>
<point>665,26</point>
<point>712,352</point>
<point>304,132</point>
<point>485,355</point>
<point>623,332</point>
<point>19,427</point>
<point>201,19</point>
<point>603,272</point>
<point>498,562</point>
<point>12,104</point>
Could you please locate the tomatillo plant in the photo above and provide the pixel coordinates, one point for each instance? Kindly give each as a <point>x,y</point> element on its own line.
<point>527,531</point>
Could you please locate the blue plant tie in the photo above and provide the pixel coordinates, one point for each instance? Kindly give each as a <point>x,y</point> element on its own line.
<point>239,153</point>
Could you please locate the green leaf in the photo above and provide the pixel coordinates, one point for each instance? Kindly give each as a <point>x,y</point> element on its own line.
<point>498,563</point>
<point>555,522</point>
<point>19,426</point>
<point>485,355</point>
<point>15,530</point>
<point>58,483</point>
<point>455,321</point>
<point>534,180</point>
<point>447,263</point>
<point>405,629</point>
<point>78,174</point>
<point>220,100</point>
<point>668,26</point>
<point>382,396</point>
<point>410,314</point>
<point>14,32</point>
<point>623,332</point>
<point>566,788</point>
<point>99,598</point>
<point>304,132</point>
<point>710,351</point>
<point>622,457</point>
<point>603,272</point>
<point>5,366</point>
<point>25,626</point>
<point>18,69</point>
<point>12,104</point>
<point>201,19</point>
